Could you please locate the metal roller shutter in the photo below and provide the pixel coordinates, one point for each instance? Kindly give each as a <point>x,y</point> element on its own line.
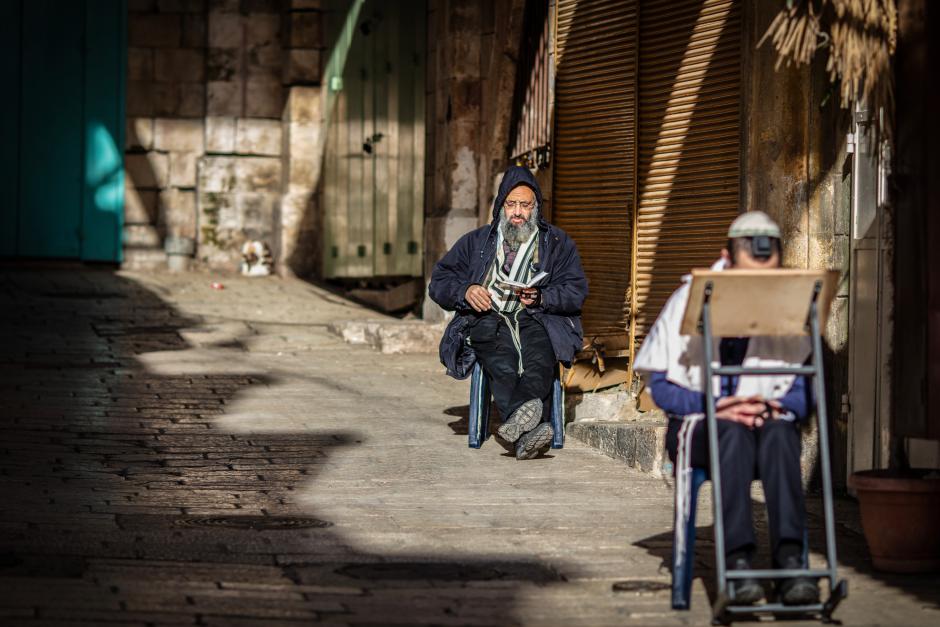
<point>594,144</point>
<point>688,145</point>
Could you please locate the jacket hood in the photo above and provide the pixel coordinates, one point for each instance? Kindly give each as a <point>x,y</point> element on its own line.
<point>514,177</point>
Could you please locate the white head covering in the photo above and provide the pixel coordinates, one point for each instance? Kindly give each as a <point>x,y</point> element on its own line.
<point>753,224</point>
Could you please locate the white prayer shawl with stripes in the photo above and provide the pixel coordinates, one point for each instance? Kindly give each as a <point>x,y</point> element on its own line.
<point>506,302</point>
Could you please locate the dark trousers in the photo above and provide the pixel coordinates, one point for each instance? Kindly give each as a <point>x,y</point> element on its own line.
<point>491,341</point>
<point>772,453</point>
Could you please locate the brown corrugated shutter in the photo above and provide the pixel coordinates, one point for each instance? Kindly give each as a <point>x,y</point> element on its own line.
<point>689,144</point>
<point>593,151</point>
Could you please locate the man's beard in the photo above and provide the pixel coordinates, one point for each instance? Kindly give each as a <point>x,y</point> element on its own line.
<point>516,235</point>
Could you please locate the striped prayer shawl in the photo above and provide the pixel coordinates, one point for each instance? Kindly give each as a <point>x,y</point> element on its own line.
<point>505,300</point>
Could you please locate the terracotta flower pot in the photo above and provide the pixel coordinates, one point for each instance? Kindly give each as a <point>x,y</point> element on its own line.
<point>901,518</point>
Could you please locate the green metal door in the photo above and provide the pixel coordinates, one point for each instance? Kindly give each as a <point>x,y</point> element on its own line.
<point>374,164</point>
<point>65,123</point>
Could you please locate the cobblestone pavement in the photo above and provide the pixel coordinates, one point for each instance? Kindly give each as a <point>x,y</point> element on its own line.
<point>177,455</point>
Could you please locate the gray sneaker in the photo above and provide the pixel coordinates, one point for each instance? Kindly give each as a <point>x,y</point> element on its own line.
<point>534,441</point>
<point>525,418</point>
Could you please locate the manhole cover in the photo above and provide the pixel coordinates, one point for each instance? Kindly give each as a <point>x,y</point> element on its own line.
<point>259,523</point>
<point>640,586</point>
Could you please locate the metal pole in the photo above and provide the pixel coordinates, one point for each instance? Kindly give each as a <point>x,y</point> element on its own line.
<point>712,423</point>
<point>823,436</point>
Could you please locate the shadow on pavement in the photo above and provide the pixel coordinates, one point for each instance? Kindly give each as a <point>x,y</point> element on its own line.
<point>122,502</point>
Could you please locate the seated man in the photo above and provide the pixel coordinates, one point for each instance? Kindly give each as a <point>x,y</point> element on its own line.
<point>758,419</point>
<point>517,334</point>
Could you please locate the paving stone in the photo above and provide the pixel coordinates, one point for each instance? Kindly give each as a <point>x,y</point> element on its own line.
<point>165,446</point>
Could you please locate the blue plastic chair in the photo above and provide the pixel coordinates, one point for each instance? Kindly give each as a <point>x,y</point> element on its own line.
<point>478,429</point>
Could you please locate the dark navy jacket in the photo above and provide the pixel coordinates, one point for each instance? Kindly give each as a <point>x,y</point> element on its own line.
<point>563,292</point>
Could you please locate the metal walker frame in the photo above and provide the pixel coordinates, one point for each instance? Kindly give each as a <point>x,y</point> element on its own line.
<point>724,609</point>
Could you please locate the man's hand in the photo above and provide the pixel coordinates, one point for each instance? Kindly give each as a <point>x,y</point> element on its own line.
<point>529,296</point>
<point>479,298</point>
<point>749,411</point>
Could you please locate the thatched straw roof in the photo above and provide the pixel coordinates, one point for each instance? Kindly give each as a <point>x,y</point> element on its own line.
<point>861,36</point>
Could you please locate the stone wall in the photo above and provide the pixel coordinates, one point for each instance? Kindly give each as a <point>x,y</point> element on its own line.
<point>211,148</point>
<point>793,168</point>
<point>472,50</point>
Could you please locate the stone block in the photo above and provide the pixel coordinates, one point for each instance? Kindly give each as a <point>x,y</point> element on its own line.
<point>256,214</point>
<point>224,98</point>
<point>181,6</point>
<point>225,30</point>
<point>302,66</point>
<point>178,212</point>
<point>144,260</point>
<point>257,7</point>
<point>141,236</point>
<point>303,140</point>
<point>264,98</point>
<point>462,53</point>
<point>266,61</point>
<point>139,98</point>
<point>138,133</point>
<point>306,4</point>
<point>183,169</point>
<point>640,444</point>
<point>224,6</point>
<point>303,173</point>
<point>140,205</point>
<point>223,64</point>
<point>258,137</point>
<point>466,98</point>
<point>220,134</point>
<point>305,30</point>
<point>154,30</point>
<point>141,6</point>
<point>303,105</point>
<point>258,174</point>
<point>216,174</point>
<point>166,98</point>
<point>602,406</point>
<point>294,206</point>
<point>178,135</point>
<point>263,29</point>
<point>192,100</point>
<point>146,170</point>
<point>180,64</point>
<point>195,31</point>
<point>139,64</point>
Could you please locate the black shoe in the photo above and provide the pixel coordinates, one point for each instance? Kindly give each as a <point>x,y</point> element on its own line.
<point>533,442</point>
<point>524,419</point>
<point>743,591</point>
<point>797,590</point>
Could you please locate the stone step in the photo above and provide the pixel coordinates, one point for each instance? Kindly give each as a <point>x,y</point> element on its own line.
<point>391,336</point>
<point>142,236</point>
<point>144,259</point>
<point>639,443</point>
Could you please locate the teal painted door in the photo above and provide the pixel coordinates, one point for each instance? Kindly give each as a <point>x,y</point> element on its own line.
<point>64,158</point>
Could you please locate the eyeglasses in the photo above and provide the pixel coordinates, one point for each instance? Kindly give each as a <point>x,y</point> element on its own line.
<point>518,204</point>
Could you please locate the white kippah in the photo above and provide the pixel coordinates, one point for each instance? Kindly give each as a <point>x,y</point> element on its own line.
<point>753,224</point>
